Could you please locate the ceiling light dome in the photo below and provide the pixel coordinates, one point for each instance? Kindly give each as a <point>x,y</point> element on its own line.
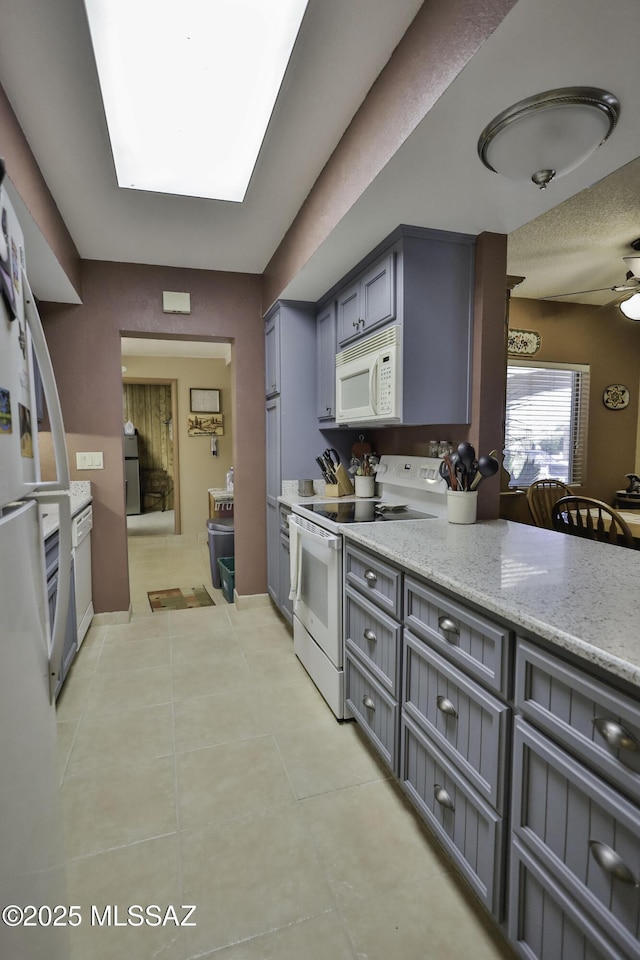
<point>548,135</point>
<point>631,307</point>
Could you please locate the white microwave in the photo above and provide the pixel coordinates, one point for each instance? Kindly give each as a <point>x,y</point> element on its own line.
<point>369,380</point>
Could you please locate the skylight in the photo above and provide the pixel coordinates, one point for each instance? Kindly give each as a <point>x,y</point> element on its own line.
<point>189,86</point>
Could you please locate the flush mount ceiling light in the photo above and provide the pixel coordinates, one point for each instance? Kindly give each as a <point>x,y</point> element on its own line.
<point>548,135</point>
<point>189,88</point>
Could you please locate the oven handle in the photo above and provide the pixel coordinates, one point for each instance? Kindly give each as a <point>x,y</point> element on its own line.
<point>306,529</point>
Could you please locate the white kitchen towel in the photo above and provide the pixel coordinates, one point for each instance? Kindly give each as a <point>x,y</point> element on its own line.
<point>295,562</point>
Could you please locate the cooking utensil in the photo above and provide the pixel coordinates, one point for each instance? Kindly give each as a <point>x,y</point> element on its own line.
<point>323,470</point>
<point>487,467</point>
<point>332,457</point>
<point>361,448</point>
<point>443,470</point>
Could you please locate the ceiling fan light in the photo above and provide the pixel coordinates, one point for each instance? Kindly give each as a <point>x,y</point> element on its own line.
<point>548,135</point>
<point>631,307</point>
<point>633,265</point>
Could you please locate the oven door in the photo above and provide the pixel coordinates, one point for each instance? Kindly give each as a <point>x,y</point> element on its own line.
<point>316,584</point>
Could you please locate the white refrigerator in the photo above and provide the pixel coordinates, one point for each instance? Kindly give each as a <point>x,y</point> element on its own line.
<point>32,872</point>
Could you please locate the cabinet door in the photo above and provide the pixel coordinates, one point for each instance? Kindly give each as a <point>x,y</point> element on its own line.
<point>378,293</point>
<point>326,362</point>
<point>349,313</point>
<point>273,551</point>
<point>272,436</point>
<point>272,355</point>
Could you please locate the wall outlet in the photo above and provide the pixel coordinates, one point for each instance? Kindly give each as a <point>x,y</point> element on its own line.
<point>90,461</point>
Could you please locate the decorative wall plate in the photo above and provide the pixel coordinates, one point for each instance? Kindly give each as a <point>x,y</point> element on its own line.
<point>523,342</point>
<point>616,396</point>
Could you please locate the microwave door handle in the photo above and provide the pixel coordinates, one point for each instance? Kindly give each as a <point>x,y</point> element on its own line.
<point>373,385</point>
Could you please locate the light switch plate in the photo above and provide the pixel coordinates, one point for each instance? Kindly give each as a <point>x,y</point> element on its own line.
<point>90,461</point>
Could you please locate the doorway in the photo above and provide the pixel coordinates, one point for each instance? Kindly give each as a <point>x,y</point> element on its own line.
<point>148,408</point>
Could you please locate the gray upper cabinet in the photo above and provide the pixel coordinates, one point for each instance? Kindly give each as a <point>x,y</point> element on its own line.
<point>326,361</point>
<point>272,354</point>
<point>368,301</point>
<point>421,280</point>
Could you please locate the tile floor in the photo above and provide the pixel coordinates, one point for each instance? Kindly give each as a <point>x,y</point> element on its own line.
<point>199,765</point>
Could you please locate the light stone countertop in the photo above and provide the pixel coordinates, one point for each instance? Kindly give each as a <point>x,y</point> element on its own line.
<point>80,493</point>
<point>580,595</point>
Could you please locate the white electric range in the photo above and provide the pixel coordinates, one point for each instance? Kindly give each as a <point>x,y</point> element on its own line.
<point>410,489</point>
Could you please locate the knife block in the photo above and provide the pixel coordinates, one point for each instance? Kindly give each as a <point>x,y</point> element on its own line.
<point>343,488</point>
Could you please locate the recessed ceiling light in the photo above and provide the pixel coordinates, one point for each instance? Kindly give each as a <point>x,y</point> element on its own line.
<point>188,88</point>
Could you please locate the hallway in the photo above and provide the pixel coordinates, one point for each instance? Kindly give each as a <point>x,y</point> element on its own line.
<point>199,765</point>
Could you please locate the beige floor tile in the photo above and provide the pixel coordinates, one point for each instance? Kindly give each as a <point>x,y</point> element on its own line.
<point>125,737</point>
<point>230,780</point>
<point>141,873</point>
<point>73,697</point>
<point>433,918</point>
<point>320,938</point>
<point>210,676</point>
<point>198,620</point>
<point>327,756</point>
<point>67,730</point>
<point>251,876</point>
<point>370,841</point>
<point>275,665</point>
<point>222,718</point>
<point>113,692</point>
<point>116,805</point>
<point>120,656</point>
<point>263,615</point>
<point>263,637</point>
<point>294,704</point>
<point>139,628</point>
<point>209,645</point>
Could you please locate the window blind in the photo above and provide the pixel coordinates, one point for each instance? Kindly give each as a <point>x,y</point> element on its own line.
<point>547,409</point>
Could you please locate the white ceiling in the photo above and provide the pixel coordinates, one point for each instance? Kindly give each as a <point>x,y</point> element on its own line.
<point>570,237</point>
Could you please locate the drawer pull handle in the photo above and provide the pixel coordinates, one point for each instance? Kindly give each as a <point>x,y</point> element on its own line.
<point>370,635</point>
<point>611,862</point>
<point>370,577</point>
<point>368,702</point>
<point>445,706</point>
<point>616,735</point>
<point>443,797</point>
<point>447,625</point>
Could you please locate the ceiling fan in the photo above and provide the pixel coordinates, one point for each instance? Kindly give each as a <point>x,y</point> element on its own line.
<point>624,291</point>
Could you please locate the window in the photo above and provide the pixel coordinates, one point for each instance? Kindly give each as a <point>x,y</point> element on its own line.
<point>546,421</point>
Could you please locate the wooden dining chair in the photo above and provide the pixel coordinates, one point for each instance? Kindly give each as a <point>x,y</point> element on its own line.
<point>592,519</point>
<point>541,496</point>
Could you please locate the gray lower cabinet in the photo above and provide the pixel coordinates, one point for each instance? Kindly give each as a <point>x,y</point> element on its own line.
<point>70,647</point>
<point>524,764</point>
<point>284,585</point>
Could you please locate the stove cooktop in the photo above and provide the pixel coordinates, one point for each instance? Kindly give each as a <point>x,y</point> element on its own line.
<point>364,512</point>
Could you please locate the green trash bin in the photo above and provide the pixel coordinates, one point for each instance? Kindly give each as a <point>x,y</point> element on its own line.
<point>227,567</point>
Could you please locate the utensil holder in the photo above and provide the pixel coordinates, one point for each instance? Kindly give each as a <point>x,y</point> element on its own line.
<point>344,483</point>
<point>365,486</point>
<point>462,506</point>
<point>332,491</point>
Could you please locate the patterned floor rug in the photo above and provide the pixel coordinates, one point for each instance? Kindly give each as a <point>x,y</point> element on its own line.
<point>178,599</point>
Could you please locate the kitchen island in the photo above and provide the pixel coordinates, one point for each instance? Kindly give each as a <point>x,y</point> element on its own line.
<point>495,667</point>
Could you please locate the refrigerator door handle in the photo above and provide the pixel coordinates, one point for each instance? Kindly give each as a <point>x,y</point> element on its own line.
<point>50,389</point>
<point>59,625</point>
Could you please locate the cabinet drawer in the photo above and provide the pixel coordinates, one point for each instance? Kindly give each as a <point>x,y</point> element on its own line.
<point>582,831</point>
<point>51,554</point>
<point>467,827</point>
<point>468,724</point>
<point>377,580</point>
<point>583,713</point>
<point>477,644</point>
<point>543,920</point>
<point>373,637</point>
<point>375,711</point>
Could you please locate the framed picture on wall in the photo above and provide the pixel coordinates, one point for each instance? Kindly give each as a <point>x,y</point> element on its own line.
<point>204,400</point>
<point>205,425</point>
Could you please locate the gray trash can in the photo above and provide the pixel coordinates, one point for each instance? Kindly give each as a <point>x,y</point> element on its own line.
<point>221,544</point>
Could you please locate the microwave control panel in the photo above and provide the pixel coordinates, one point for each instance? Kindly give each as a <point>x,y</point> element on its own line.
<point>385,384</point>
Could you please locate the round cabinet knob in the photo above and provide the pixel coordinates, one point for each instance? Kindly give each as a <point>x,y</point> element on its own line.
<point>616,735</point>
<point>445,706</point>
<point>450,627</point>
<point>442,797</point>
<point>368,702</point>
<point>370,635</point>
<point>370,577</point>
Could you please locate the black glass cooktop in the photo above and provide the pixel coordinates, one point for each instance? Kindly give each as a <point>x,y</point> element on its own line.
<point>365,511</point>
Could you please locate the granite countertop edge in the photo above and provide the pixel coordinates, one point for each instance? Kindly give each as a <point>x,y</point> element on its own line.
<point>80,494</point>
